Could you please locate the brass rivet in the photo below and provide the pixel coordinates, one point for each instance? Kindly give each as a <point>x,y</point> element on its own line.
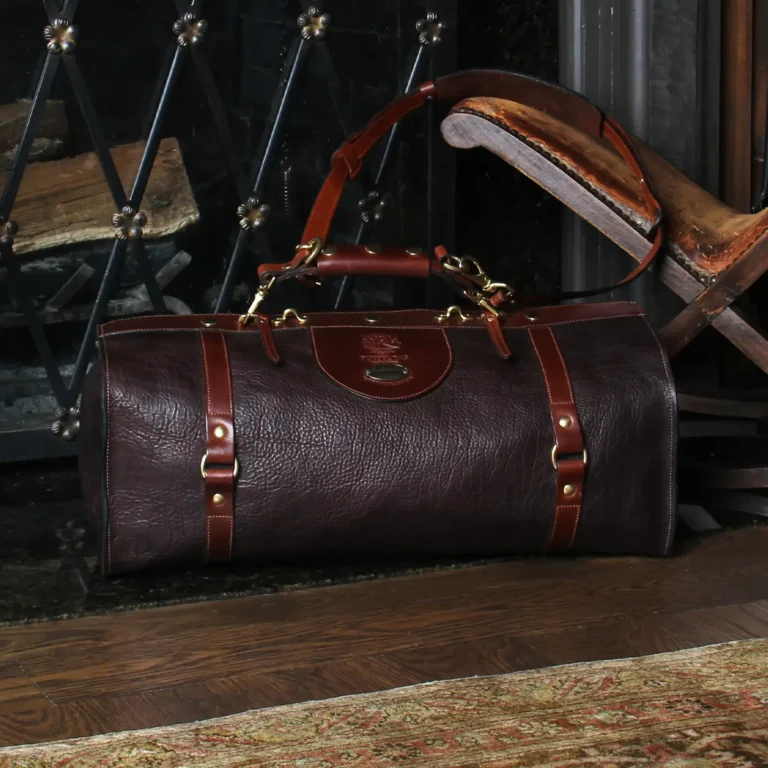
<point>209,323</point>
<point>565,422</point>
<point>531,316</point>
<point>569,490</point>
<point>329,250</point>
<point>372,319</point>
<point>218,499</point>
<point>415,251</point>
<point>220,431</point>
<point>373,248</point>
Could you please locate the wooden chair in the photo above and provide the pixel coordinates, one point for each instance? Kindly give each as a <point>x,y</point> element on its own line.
<point>713,254</point>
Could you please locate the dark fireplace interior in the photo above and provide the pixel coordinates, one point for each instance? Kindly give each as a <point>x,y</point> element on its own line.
<point>246,116</point>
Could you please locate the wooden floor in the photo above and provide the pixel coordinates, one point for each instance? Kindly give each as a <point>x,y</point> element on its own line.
<point>163,666</point>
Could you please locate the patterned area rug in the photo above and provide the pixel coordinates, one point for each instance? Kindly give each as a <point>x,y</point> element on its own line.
<point>689,709</point>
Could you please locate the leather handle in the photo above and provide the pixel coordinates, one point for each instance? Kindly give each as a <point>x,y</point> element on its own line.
<point>369,260</point>
<point>354,260</point>
<point>560,102</point>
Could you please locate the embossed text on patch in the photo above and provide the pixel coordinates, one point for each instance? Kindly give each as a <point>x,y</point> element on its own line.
<point>381,348</point>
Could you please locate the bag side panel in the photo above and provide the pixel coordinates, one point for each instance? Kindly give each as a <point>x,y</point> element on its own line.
<point>628,410</point>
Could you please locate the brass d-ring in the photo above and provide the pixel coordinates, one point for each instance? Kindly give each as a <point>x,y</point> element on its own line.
<point>453,311</point>
<point>314,246</point>
<point>554,456</point>
<point>204,461</point>
<point>287,315</point>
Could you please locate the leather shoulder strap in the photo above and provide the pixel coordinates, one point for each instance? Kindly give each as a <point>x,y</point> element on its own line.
<point>561,103</point>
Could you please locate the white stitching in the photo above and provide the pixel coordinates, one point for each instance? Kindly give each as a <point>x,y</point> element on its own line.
<point>558,476</point>
<point>207,383</point>
<point>562,362</point>
<point>541,365</point>
<point>208,399</point>
<point>576,522</point>
<point>265,332</point>
<point>255,329</point>
<point>230,415</point>
<point>231,411</point>
<point>673,390</point>
<point>432,386</point>
<point>106,458</point>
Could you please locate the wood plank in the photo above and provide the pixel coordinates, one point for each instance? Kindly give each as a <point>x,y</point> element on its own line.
<point>266,634</point>
<point>43,723</point>
<point>707,237</point>
<point>163,666</point>
<point>49,140</point>
<point>634,636</point>
<point>498,654</point>
<point>17,691</point>
<point>67,201</point>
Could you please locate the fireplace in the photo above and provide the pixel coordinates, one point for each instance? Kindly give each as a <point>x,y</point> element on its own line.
<point>152,154</point>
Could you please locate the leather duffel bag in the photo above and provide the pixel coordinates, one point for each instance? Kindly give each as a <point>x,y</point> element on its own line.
<point>498,429</point>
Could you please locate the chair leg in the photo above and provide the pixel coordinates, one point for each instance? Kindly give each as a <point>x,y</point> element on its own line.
<point>711,302</point>
<point>737,330</point>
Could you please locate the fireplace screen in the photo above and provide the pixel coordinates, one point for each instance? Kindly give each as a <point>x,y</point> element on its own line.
<point>153,152</point>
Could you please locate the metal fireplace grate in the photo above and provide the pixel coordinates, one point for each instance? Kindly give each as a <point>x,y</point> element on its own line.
<point>187,40</point>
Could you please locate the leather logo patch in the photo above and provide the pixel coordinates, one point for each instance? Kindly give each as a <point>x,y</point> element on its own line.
<point>381,348</point>
<point>387,373</point>
<point>386,364</point>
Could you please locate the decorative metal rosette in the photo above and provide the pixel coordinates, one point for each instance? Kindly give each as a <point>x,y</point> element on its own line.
<point>373,206</point>
<point>253,214</point>
<point>67,424</point>
<point>129,224</point>
<point>71,538</point>
<point>61,36</point>
<point>189,30</point>
<point>431,30</point>
<point>8,230</point>
<point>314,24</point>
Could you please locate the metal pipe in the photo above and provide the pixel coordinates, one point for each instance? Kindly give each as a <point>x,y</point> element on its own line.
<point>383,170</point>
<point>219,120</point>
<point>97,137</point>
<point>58,387</point>
<point>108,284</point>
<point>281,113</point>
<point>34,117</point>
<point>155,132</point>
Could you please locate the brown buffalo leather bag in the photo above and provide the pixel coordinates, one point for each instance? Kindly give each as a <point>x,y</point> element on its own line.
<point>498,430</point>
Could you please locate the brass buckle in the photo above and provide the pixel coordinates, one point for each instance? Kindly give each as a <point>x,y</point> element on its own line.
<point>554,456</point>
<point>204,461</point>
